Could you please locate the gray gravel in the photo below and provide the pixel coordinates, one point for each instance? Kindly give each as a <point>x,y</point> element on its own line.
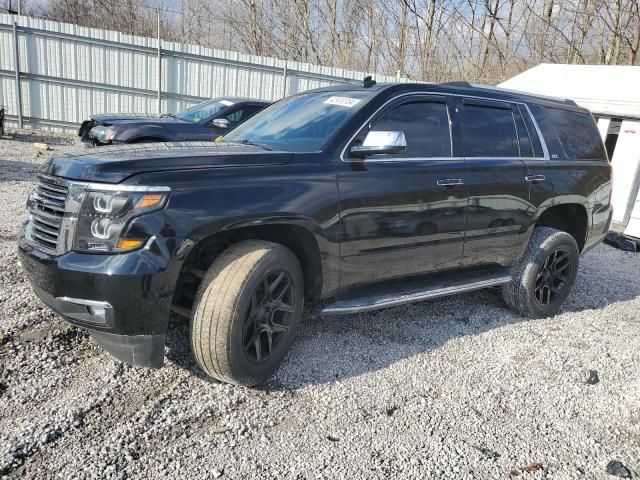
<point>454,388</point>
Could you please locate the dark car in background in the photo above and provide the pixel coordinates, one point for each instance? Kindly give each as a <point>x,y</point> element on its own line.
<point>204,121</point>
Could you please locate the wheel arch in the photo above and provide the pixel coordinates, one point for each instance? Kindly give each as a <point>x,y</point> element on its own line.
<point>300,240</point>
<point>572,218</point>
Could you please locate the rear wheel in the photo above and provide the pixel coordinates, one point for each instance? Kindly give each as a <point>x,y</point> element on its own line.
<point>544,278</point>
<point>247,311</point>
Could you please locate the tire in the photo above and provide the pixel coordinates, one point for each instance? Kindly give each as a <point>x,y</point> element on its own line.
<point>235,321</point>
<point>534,293</point>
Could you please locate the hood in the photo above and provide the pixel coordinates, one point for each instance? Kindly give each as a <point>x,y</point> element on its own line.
<point>113,164</point>
<point>128,118</point>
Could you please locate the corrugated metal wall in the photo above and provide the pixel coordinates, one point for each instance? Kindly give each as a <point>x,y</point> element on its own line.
<point>68,73</point>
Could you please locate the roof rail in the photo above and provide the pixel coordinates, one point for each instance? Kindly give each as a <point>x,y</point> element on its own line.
<point>507,90</point>
<point>457,84</point>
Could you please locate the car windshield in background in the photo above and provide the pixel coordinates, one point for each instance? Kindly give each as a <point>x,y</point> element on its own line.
<point>203,110</point>
<point>302,123</point>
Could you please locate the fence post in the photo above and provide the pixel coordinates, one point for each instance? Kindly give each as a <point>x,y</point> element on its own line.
<point>16,53</point>
<point>284,80</point>
<point>159,68</point>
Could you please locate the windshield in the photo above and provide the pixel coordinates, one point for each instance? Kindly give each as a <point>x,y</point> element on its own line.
<point>302,123</point>
<point>204,110</point>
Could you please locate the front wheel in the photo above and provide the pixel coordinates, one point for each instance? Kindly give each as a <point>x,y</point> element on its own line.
<point>247,311</point>
<point>544,278</point>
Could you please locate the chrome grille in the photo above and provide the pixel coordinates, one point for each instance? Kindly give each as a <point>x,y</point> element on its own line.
<point>47,208</point>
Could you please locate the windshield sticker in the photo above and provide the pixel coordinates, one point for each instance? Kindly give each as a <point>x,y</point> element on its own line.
<point>226,103</point>
<point>342,101</point>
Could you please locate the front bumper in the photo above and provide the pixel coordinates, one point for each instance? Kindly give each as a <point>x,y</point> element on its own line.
<point>123,300</point>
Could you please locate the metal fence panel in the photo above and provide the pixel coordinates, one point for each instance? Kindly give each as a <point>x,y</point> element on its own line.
<point>68,73</point>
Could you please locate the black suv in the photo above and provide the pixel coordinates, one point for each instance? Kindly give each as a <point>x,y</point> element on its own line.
<point>364,197</point>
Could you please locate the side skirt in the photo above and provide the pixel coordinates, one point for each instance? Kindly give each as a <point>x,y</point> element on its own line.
<point>415,291</point>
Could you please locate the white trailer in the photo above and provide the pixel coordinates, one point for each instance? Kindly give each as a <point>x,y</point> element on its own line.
<point>612,93</point>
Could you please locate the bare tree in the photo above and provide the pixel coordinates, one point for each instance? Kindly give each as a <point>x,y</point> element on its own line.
<point>434,40</point>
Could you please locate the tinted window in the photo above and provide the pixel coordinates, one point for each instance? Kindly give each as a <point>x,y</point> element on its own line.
<point>533,132</point>
<point>425,126</point>
<point>488,132</point>
<point>578,134</point>
<point>523,135</point>
<point>569,134</point>
<point>242,114</point>
<point>548,132</point>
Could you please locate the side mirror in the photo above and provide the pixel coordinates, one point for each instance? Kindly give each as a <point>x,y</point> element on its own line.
<point>220,123</point>
<point>379,143</point>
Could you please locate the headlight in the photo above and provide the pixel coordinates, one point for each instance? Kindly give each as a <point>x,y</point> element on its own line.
<point>102,134</point>
<point>103,216</point>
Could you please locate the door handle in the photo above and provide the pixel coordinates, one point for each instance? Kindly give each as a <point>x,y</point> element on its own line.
<point>450,182</point>
<point>534,178</point>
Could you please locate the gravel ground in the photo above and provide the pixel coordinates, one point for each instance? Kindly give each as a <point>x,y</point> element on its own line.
<point>454,388</point>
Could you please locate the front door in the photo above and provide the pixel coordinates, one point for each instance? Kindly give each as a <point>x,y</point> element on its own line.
<point>403,214</point>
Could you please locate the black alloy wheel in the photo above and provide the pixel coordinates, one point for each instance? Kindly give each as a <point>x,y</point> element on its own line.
<point>553,277</point>
<point>543,278</point>
<point>269,316</point>
<point>247,312</point>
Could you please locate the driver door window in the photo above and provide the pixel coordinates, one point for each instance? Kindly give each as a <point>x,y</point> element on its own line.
<point>425,126</point>
<point>241,114</point>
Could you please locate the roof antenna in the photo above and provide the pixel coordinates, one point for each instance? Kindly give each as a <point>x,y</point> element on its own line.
<point>368,82</point>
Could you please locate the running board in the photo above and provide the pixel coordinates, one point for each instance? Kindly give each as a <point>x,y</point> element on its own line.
<point>414,293</point>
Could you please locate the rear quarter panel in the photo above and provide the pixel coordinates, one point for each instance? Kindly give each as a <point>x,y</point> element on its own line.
<point>588,183</point>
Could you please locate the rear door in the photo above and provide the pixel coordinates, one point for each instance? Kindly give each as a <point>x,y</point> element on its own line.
<point>403,214</point>
<point>535,155</point>
<point>500,211</point>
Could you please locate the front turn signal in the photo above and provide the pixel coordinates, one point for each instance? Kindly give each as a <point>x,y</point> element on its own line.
<point>150,200</point>
<point>128,244</point>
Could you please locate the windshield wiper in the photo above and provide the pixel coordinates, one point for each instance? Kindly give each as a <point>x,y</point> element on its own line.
<point>246,141</point>
<point>168,115</point>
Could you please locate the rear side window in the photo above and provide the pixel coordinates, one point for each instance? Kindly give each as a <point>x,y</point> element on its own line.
<point>533,132</point>
<point>488,131</point>
<point>569,134</point>
<point>526,150</point>
<point>425,126</point>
